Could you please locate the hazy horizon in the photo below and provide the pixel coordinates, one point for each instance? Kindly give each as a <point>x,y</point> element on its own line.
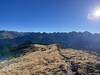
<point>49,31</point>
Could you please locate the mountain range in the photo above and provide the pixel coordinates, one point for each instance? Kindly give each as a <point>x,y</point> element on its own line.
<point>10,40</point>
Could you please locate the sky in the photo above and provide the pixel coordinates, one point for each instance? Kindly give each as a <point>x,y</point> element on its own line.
<point>49,15</point>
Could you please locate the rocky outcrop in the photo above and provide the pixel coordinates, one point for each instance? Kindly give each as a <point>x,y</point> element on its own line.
<point>38,47</point>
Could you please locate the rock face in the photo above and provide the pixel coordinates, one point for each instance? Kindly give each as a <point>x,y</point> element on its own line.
<point>52,60</point>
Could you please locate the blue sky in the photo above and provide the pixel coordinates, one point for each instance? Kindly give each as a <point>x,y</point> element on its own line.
<point>48,15</point>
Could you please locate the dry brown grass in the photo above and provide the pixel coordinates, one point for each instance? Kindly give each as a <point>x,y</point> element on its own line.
<point>34,63</point>
<point>79,56</point>
<point>45,62</point>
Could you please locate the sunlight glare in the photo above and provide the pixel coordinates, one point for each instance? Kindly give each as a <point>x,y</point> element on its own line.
<point>97,13</point>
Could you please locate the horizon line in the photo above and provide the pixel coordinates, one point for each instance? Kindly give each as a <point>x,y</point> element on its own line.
<point>50,32</point>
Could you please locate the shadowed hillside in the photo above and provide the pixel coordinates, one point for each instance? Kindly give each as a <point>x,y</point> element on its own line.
<point>10,40</point>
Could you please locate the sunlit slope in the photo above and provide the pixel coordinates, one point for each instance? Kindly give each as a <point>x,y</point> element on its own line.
<point>47,59</point>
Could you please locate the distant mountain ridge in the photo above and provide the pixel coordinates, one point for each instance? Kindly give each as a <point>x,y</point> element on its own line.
<point>76,40</point>
<point>10,34</point>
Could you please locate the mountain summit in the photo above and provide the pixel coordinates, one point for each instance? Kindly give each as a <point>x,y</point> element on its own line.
<point>51,60</point>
